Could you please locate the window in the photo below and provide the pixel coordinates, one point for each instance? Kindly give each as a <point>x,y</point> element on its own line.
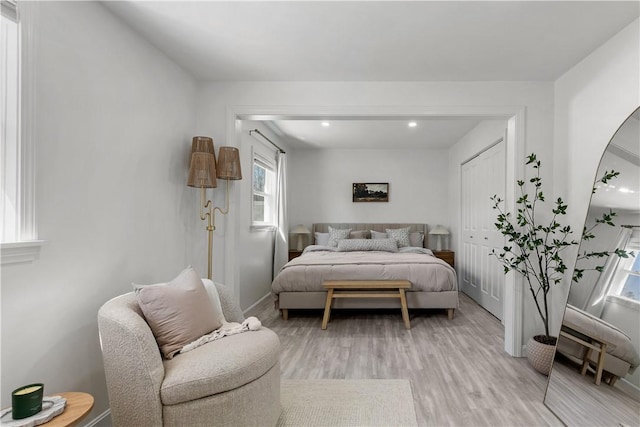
<point>263,194</point>
<point>17,219</point>
<point>9,63</point>
<point>631,286</point>
<point>628,276</point>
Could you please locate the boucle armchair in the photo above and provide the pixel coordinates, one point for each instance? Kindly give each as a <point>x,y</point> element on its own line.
<point>234,381</point>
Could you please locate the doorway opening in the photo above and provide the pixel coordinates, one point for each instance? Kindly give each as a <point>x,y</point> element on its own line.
<point>513,295</point>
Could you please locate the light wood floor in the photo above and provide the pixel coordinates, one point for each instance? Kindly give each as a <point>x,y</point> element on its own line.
<point>570,394</point>
<point>459,371</point>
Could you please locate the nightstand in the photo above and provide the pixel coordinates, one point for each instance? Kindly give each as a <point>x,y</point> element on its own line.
<point>294,253</point>
<point>446,256</point>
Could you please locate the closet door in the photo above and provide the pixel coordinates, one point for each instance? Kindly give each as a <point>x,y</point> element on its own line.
<point>482,276</point>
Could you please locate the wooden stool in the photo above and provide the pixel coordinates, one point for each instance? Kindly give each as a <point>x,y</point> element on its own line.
<point>366,289</point>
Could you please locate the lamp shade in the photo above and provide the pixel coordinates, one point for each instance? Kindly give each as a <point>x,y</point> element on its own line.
<point>300,229</point>
<point>439,230</point>
<point>202,144</point>
<point>202,170</point>
<point>228,166</point>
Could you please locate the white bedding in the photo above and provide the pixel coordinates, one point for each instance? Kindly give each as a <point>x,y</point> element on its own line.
<point>307,272</point>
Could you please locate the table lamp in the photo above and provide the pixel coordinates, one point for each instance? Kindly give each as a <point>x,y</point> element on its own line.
<point>300,230</point>
<point>439,231</point>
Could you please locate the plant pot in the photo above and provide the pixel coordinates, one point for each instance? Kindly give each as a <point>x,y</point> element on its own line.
<point>540,352</point>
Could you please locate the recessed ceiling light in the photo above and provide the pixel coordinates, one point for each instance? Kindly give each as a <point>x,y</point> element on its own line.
<point>412,124</point>
<point>325,124</point>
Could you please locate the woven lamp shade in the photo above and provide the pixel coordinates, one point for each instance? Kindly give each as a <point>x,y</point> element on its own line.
<point>228,166</point>
<point>202,144</point>
<point>202,170</point>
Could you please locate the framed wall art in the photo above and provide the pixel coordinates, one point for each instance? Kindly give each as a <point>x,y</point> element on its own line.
<point>371,192</point>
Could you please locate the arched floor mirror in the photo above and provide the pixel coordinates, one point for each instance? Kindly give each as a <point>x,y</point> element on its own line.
<point>595,379</point>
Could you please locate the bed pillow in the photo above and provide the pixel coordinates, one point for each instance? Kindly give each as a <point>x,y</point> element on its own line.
<point>322,239</point>
<point>400,234</point>
<point>358,234</point>
<point>350,245</point>
<point>178,312</point>
<point>378,235</point>
<point>416,239</point>
<point>336,234</point>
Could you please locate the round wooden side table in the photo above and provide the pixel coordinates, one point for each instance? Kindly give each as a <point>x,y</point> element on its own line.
<point>78,406</point>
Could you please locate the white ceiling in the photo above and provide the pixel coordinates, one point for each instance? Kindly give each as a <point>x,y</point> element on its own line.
<point>374,134</point>
<point>622,155</point>
<point>376,41</point>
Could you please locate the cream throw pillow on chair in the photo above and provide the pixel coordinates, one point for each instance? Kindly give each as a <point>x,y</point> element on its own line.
<point>180,311</point>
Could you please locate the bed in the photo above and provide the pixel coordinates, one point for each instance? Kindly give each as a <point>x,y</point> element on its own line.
<point>580,329</point>
<point>299,284</point>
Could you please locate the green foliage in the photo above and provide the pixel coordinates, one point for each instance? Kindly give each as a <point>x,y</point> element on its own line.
<point>534,250</point>
<point>606,218</point>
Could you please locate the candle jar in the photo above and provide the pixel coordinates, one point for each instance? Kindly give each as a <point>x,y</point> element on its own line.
<point>26,401</point>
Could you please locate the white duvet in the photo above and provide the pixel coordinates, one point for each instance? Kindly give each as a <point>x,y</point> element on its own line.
<point>317,264</point>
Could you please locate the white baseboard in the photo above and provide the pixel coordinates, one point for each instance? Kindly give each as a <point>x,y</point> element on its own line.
<point>627,387</point>
<point>256,303</point>
<point>99,418</point>
<point>523,351</point>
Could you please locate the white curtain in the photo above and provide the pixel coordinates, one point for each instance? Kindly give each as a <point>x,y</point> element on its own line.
<point>602,288</point>
<point>281,242</point>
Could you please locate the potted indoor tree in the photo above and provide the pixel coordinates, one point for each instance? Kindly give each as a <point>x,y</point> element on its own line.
<point>533,248</point>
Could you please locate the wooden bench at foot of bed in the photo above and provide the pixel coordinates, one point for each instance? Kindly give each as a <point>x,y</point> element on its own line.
<point>366,289</point>
<point>447,300</point>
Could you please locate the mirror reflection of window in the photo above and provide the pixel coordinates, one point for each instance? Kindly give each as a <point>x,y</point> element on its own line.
<point>628,278</point>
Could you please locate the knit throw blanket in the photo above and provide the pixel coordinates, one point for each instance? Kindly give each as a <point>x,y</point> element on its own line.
<point>227,328</point>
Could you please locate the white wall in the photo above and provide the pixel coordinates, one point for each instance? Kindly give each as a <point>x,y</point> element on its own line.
<point>254,246</point>
<point>591,101</point>
<point>113,125</point>
<point>321,185</point>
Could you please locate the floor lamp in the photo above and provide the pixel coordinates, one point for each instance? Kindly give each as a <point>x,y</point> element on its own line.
<point>203,171</point>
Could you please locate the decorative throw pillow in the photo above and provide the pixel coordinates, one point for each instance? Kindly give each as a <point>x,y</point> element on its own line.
<point>350,245</point>
<point>400,234</point>
<point>378,235</point>
<point>322,239</point>
<point>214,299</point>
<point>336,234</point>
<point>416,239</point>
<point>358,234</point>
<point>178,312</point>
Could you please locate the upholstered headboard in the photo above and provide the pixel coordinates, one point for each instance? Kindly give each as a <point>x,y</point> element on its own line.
<point>323,227</point>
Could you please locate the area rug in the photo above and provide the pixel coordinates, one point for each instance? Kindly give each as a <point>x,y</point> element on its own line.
<point>337,403</point>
